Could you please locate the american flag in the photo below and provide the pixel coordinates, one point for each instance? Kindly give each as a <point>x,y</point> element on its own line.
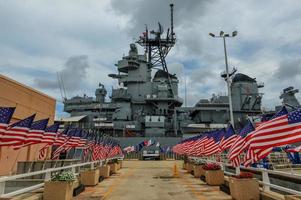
<point>48,138</point>
<point>228,139</point>
<point>236,148</point>
<point>62,142</point>
<point>294,150</point>
<point>212,146</point>
<point>280,131</point>
<point>253,155</point>
<point>16,132</point>
<point>50,134</point>
<point>35,134</point>
<point>83,142</point>
<point>6,114</point>
<point>193,149</point>
<point>61,137</point>
<point>187,145</point>
<point>74,138</point>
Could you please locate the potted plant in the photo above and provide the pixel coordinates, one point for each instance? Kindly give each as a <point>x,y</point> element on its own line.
<point>189,166</point>
<point>244,187</point>
<point>198,170</point>
<point>113,166</point>
<point>60,187</point>
<point>120,164</point>
<point>213,174</point>
<point>104,171</point>
<point>89,177</point>
<point>185,162</point>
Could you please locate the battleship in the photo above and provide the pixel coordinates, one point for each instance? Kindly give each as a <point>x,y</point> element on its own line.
<point>149,106</point>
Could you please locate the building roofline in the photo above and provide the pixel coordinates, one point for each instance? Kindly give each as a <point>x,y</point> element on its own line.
<point>25,86</point>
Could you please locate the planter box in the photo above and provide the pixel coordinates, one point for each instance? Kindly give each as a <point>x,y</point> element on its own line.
<point>198,171</point>
<point>89,177</point>
<point>184,165</point>
<point>214,177</point>
<point>189,167</point>
<point>244,189</point>
<point>292,197</point>
<point>113,168</point>
<point>58,190</point>
<point>104,171</point>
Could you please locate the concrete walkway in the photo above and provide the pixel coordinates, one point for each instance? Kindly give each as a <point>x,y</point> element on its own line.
<point>152,180</point>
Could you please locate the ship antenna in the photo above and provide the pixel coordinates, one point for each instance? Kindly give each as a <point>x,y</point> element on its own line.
<point>171,21</point>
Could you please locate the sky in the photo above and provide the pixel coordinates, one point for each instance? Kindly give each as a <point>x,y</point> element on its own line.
<point>82,40</point>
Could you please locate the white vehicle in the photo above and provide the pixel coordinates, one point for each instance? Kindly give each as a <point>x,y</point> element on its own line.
<point>151,154</point>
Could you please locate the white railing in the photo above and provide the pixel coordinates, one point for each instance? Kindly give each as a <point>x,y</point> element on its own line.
<point>47,177</point>
<point>264,173</point>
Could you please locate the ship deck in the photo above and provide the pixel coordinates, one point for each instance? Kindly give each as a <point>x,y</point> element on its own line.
<point>151,180</point>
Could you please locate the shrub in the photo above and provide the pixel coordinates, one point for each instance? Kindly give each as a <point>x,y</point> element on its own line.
<point>212,166</point>
<point>200,162</point>
<point>63,176</point>
<point>244,175</point>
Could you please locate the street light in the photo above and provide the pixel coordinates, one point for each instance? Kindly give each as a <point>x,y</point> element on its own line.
<point>224,35</point>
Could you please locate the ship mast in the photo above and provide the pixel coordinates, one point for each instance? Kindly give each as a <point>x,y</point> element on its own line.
<point>157,47</point>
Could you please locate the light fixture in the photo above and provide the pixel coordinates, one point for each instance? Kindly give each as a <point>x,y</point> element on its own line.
<point>211,34</point>
<point>234,33</point>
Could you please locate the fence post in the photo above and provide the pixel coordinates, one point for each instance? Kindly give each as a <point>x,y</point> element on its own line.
<point>47,176</point>
<point>265,180</point>
<point>73,170</point>
<point>2,188</point>
<point>237,170</point>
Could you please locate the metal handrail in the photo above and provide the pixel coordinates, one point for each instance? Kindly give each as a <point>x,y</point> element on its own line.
<point>265,176</point>
<point>47,173</point>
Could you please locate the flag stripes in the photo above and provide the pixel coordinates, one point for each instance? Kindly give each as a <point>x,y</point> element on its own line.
<point>28,132</point>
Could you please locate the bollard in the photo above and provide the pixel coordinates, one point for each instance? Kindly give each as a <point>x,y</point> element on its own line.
<point>265,179</point>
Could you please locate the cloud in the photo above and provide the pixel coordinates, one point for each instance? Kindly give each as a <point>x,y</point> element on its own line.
<point>73,75</point>
<point>34,42</point>
<point>289,69</point>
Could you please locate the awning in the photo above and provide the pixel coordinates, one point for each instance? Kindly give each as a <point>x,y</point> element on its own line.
<point>71,119</point>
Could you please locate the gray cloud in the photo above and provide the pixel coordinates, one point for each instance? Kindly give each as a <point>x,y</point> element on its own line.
<point>186,15</point>
<point>267,46</point>
<point>289,69</point>
<point>73,74</point>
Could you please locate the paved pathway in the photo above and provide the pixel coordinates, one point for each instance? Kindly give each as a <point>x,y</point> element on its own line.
<point>151,180</point>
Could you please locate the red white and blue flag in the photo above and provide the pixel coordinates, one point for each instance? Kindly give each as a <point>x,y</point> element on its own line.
<point>237,147</point>
<point>252,155</point>
<point>50,134</point>
<point>282,130</point>
<point>34,135</point>
<point>228,138</point>
<point>16,133</point>
<point>6,114</point>
<point>212,145</point>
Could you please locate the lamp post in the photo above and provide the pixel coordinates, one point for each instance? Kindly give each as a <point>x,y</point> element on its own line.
<point>224,36</point>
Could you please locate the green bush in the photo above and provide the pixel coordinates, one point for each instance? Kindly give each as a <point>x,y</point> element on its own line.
<point>64,176</point>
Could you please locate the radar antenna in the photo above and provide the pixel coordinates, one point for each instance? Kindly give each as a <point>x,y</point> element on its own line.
<point>157,47</point>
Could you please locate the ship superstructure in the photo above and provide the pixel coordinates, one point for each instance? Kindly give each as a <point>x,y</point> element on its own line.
<point>142,105</point>
<point>146,102</point>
